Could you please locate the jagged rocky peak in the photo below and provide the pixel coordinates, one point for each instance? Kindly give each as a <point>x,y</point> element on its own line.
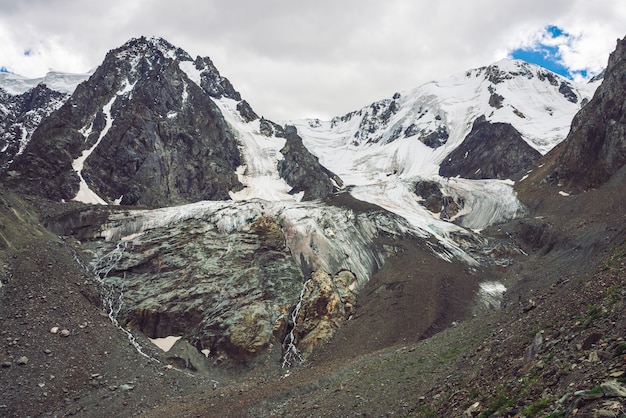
<point>302,170</point>
<point>141,131</point>
<point>140,56</point>
<point>594,152</point>
<point>385,121</point>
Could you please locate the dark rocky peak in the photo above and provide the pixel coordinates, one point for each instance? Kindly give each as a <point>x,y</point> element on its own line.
<point>302,170</point>
<point>152,136</point>
<point>150,49</point>
<point>595,149</point>
<point>489,151</point>
<point>246,112</point>
<point>508,69</point>
<point>374,119</point>
<point>212,82</point>
<point>269,128</point>
<point>144,56</point>
<point>20,115</point>
<point>503,70</point>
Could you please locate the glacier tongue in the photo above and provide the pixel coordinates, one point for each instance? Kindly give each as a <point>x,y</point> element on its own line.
<point>320,237</point>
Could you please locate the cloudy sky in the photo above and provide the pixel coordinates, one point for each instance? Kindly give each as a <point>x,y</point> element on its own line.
<point>293,59</point>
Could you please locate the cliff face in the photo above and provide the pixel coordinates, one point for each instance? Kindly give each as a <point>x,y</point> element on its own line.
<point>595,149</point>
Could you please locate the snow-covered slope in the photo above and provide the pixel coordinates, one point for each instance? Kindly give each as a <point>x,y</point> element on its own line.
<point>62,82</point>
<point>381,150</point>
<point>412,132</point>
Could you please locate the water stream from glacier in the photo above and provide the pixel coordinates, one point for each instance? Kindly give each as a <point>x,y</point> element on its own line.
<point>113,293</point>
<point>292,355</point>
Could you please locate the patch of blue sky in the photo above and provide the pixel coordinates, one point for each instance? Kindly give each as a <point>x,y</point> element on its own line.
<point>546,52</point>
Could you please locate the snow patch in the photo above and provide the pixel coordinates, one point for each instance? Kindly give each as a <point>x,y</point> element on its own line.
<point>165,343</point>
<point>192,72</point>
<point>490,295</point>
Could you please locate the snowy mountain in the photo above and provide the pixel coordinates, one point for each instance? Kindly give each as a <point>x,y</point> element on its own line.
<point>15,84</point>
<point>412,132</point>
<point>382,150</point>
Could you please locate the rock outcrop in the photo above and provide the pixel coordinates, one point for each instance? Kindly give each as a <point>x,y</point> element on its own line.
<point>595,149</point>
<point>435,201</point>
<point>490,151</point>
<point>302,170</point>
<point>225,292</point>
<point>327,301</point>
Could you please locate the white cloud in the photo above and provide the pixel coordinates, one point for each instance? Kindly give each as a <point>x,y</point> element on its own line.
<point>296,59</point>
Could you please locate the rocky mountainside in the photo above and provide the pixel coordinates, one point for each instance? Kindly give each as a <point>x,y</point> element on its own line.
<point>595,149</point>
<point>490,150</point>
<point>19,116</point>
<point>24,103</point>
<point>380,263</point>
<point>144,129</point>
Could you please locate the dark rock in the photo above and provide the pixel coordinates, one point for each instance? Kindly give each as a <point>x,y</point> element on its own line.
<point>595,149</point>
<point>269,128</point>
<point>185,356</point>
<point>590,340</point>
<point>431,194</point>
<point>495,99</point>
<point>566,90</point>
<point>490,150</point>
<point>246,111</point>
<point>435,201</point>
<point>436,138</point>
<point>302,170</point>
